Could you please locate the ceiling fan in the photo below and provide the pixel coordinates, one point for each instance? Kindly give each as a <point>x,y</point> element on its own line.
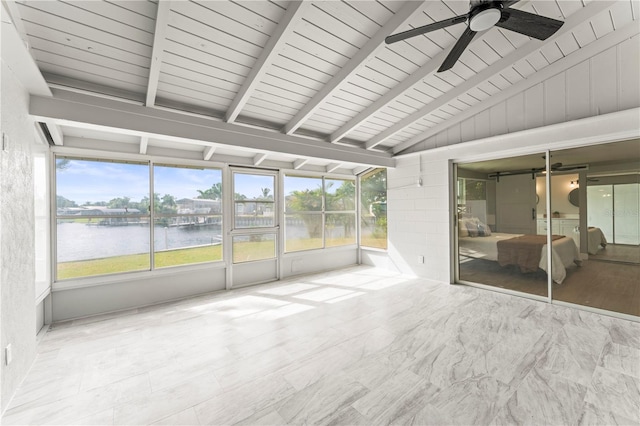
<point>483,15</point>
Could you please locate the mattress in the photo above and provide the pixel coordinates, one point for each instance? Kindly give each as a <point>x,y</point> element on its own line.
<point>564,252</point>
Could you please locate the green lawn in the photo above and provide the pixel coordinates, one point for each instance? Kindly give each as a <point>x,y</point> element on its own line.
<point>243,252</point>
<point>370,241</point>
<point>138,262</point>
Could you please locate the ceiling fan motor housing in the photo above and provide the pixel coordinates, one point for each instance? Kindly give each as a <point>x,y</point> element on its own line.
<point>484,15</point>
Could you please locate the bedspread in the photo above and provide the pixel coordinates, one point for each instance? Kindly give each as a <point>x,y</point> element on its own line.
<point>564,252</point>
<point>524,251</point>
<point>595,239</point>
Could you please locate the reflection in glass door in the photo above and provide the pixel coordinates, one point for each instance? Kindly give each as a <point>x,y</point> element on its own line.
<point>497,221</point>
<point>254,233</point>
<point>609,196</point>
<point>588,205</point>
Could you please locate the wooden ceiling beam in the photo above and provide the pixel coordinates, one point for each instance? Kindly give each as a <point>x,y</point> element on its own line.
<point>144,143</point>
<point>299,163</point>
<point>358,60</point>
<point>333,167</point>
<point>208,153</point>
<point>258,159</point>
<point>159,42</point>
<point>275,44</point>
<point>77,109</point>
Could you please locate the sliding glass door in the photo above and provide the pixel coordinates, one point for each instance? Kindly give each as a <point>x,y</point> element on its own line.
<point>613,207</point>
<point>584,208</point>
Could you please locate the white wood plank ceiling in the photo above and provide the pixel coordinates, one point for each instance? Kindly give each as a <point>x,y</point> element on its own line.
<point>318,70</point>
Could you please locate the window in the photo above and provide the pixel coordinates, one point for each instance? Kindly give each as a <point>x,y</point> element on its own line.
<point>340,216</point>
<point>253,200</point>
<point>41,222</point>
<point>373,209</point>
<point>303,213</point>
<point>319,212</point>
<point>102,217</point>
<point>104,210</point>
<point>472,198</point>
<point>188,215</point>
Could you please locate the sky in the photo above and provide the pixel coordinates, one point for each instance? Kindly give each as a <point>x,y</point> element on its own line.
<point>92,181</point>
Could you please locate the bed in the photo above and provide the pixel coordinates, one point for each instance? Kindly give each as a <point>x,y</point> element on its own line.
<point>595,239</point>
<point>564,251</point>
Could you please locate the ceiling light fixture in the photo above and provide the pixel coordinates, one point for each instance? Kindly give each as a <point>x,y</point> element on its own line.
<point>484,18</point>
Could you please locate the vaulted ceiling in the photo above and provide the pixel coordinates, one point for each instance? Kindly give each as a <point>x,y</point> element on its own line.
<point>314,74</point>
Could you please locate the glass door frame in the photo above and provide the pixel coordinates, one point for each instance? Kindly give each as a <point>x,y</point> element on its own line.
<point>234,231</point>
<point>455,231</point>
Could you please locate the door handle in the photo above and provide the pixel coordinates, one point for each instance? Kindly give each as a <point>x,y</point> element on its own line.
<point>533,213</point>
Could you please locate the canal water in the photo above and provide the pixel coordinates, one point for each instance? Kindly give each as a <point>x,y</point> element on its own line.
<point>79,241</point>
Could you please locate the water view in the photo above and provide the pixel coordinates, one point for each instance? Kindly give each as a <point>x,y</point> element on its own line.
<point>77,241</point>
<point>80,241</point>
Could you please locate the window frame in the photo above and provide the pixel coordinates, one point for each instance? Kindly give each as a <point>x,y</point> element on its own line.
<point>361,176</point>
<point>323,212</point>
<point>150,215</point>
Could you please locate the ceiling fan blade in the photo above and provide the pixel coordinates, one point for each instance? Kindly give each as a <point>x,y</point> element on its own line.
<point>457,49</point>
<point>529,24</point>
<point>509,3</point>
<point>425,29</point>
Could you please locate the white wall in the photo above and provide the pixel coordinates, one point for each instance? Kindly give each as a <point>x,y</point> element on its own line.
<point>418,216</point>
<point>309,262</point>
<point>17,253</point>
<point>126,291</point>
<point>560,188</point>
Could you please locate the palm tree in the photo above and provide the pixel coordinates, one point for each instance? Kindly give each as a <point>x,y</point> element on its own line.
<point>265,193</point>
<point>213,193</point>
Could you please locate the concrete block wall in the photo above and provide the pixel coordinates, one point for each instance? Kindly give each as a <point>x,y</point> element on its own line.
<point>418,216</point>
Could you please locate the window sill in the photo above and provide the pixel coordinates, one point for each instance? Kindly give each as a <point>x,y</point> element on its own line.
<point>374,249</point>
<point>320,250</point>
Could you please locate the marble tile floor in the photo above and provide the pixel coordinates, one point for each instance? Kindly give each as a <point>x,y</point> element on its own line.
<point>357,346</point>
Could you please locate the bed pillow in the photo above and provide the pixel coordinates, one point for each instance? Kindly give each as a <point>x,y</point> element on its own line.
<point>472,227</point>
<point>483,230</point>
<point>462,228</point>
<point>475,228</point>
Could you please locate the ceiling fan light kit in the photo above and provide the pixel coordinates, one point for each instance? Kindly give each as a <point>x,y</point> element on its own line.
<point>483,18</point>
<point>484,15</point>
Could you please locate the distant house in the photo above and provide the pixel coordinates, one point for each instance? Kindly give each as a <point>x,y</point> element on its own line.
<point>199,206</point>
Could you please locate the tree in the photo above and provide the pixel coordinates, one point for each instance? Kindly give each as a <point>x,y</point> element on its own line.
<point>265,194</point>
<point>168,204</point>
<point>62,202</point>
<point>213,193</point>
<point>119,203</point>
<point>305,201</point>
<point>343,199</point>
<point>373,199</point>
<point>63,163</point>
<point>373,188</point>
